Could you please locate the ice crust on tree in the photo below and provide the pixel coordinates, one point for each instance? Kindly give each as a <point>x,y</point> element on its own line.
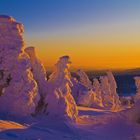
<point>59,99</point>
<point>18,90</point>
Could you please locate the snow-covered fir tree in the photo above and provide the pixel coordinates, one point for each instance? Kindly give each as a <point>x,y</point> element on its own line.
<point>18,90</point>
<point>59,99</point>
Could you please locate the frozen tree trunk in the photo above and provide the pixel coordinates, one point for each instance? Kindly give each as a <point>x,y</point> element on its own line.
<point>59,99</point>
<point>18,89</point>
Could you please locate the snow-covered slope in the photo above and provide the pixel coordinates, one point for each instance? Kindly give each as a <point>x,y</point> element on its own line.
<point>92,124</point>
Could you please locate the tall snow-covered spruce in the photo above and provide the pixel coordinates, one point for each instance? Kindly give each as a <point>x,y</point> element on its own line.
<point>38,70</point>
<point>109,94</point>
<point>18,90</point>
<point>39,74</point>
<point>59,99</point>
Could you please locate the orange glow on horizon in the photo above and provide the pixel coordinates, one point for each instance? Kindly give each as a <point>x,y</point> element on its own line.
<point>97,57</point>
<point>105,49</point>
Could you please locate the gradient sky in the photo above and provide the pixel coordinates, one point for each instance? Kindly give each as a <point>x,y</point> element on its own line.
<point>96,34</point>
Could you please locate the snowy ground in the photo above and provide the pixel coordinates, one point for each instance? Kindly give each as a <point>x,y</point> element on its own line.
<point>93,124</point>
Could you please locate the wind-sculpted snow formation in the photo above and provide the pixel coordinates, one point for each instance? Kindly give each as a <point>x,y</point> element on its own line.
<point>18,90</point>
<point>59,99</point>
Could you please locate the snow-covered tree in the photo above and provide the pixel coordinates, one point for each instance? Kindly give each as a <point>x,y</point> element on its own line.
<point>38,70</point>
<point>18,90</point>
<point>97,90</point>
<point>59,99</point>
<point>87,96</point>
<point>113,86</point>
<point>84,79</point>
<point>106,93</point>
<point>39,74</point>
<point>109,94</point>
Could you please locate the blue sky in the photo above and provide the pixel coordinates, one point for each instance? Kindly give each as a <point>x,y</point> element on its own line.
<point>51,14</point>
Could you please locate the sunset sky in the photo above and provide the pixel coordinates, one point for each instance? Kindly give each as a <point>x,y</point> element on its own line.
<point>96,34</point>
